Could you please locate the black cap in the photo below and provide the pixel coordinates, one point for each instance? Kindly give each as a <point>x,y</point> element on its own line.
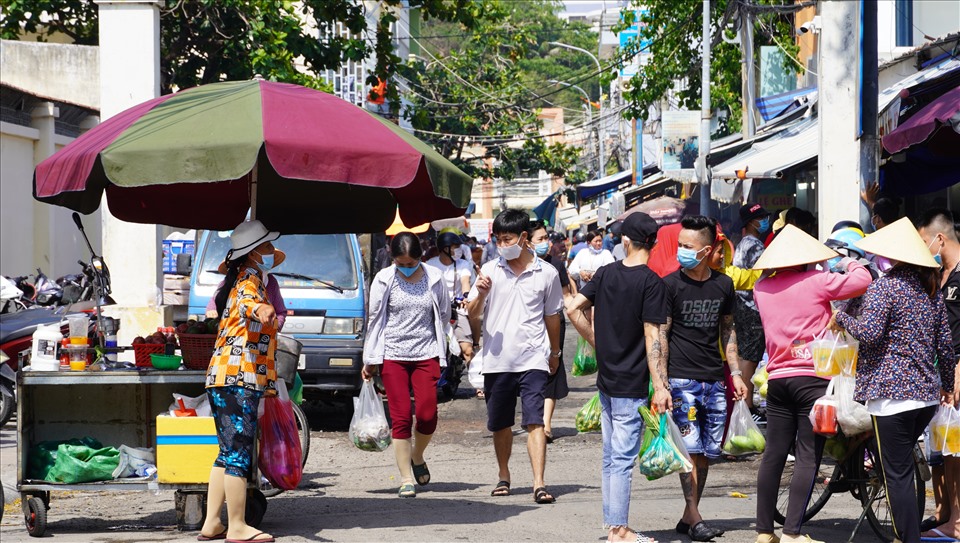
<point>750,212</point>
<point>640,227</point>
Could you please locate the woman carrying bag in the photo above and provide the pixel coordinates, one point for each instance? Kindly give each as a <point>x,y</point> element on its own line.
<point>241,371</point>
<point>409,316</point>
<point>794,306</point>
<point>907,362</point>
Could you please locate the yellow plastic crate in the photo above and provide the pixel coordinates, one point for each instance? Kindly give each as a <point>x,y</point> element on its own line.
<point>186,449</point>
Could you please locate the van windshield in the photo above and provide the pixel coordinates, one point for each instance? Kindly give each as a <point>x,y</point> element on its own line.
<point>327,257</point>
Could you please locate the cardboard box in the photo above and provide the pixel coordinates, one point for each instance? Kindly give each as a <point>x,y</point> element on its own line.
<point>176,297</point>
<point>186,449</point>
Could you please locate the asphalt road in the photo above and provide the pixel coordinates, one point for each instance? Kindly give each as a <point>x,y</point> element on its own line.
<point>350,495</point>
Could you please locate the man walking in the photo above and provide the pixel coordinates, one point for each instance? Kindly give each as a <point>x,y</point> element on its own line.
<point>629,309</point>
<point>520,300</point>
<point>701,303</point>
<point>750,339</point>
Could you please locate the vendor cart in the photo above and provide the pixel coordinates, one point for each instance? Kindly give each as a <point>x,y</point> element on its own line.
<point>114,407</point>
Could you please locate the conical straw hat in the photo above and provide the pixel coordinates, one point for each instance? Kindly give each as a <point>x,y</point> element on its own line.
<point>793,247</point>
<point>899,241</point>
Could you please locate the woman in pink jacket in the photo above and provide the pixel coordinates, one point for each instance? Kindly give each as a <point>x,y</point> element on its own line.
<point>794,306</point>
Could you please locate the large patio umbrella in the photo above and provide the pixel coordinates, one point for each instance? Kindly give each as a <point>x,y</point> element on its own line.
<point>300,160</point>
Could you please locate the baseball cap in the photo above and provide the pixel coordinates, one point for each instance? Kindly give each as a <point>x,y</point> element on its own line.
<point>639,226</point>
<point>750,212</point>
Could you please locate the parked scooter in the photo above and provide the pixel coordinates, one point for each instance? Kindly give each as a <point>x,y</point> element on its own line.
<point>8,390</point>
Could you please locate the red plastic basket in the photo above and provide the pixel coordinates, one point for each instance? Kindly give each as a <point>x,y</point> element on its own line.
<point>142,352</point>
<point>197,349</point>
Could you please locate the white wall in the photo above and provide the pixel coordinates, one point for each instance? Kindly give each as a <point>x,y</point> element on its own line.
<point>935,18</point>
<point>56,247</point>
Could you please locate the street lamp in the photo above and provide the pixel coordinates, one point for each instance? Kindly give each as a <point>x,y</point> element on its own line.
<point>600,130</point>
<point>589,118</point>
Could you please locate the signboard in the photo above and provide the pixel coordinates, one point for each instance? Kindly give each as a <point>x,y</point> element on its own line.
<point>681,143</point>
<point>637,151</point>
<point>480,228</point>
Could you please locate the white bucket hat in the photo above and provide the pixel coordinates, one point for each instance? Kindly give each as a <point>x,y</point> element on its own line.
<point>245,238</point>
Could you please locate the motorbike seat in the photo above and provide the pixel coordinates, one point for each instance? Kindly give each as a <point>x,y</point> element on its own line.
<point>25,323</point>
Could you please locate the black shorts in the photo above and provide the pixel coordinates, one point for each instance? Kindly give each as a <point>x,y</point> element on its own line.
<point>557,387</point>
<point>500,391</point>
<point>750,337</point>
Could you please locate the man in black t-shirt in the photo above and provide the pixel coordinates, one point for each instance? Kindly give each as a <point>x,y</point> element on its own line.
<point>701,303</point>
<point>629,309</point>
<point>937,228</point>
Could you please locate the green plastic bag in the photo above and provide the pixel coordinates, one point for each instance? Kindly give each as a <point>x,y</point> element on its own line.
<point>666,453</point>
<point>585,361</point>
<point>296,393</point>
<point>43,455</point>
<point>82,464</point>
<point>588,418</point>
<point>651,428</point>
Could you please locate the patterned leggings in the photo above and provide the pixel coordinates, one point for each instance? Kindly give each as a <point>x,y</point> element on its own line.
<point>235,415</point>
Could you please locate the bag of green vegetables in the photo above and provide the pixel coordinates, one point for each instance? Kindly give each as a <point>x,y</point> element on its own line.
<point>588,418</point>
<point>666,453</point>
<point>743,435</point>
<point>585,361</point>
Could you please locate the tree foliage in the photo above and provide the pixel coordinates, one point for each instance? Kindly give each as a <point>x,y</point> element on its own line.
<point>674,30</point>
<point>476,93</point>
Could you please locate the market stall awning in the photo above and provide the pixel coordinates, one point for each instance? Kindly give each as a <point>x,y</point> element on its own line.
<point>771,107</point>
<point>591,189</point>
<point>770,158</point>
<point>942,111</point>
<point>948,67</point>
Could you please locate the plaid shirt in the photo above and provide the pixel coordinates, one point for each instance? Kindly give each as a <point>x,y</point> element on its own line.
<point>244,352</point>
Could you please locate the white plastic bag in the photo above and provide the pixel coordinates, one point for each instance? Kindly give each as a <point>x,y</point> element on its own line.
<point>135,462</point>
<point>200,404</point>
<point>823,416</point>
<point>938,428</point>
<point>369,430</point>
<point>743,435</point>
<point>475,372</point>
<point>851,414</point>
<point>951,437</point>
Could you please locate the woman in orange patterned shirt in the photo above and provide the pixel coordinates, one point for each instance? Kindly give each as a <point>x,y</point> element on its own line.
<point>241,371</point>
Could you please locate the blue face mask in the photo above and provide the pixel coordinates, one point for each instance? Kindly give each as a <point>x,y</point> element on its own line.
<point>407,272</point>
<point>267,264</point>
<point>937,258</point>
<point>764,225</point>
<point>688,258</point>
<point>542,248</point>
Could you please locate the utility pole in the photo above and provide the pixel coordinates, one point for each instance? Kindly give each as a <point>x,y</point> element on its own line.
<point>705,113</point>
<point>599,93</point>
<point>749,88</point>
<point>842,150</point>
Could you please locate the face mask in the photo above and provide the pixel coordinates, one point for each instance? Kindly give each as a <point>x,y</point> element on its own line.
<point>937,258</point>
<point>688,258</point>
<point>764,226</point>
<point>595,251</point>
<point>542,248</point>
<point>511,252</point>
<point>267,262</point>
<point>407,272</point>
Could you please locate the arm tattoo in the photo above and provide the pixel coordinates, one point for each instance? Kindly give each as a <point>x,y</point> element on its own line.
<point>728,337</point>
<point>661,351</point>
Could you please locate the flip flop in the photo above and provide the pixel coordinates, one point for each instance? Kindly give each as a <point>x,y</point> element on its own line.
<point>941,537</point>
<point>548,436</point>
<point>929,523</point>
<point>541,496</point>
<point>221,535</point>
<point>502,489</point>
<point>407,490</point>
<point>252,538</point>
<point>420,472</point>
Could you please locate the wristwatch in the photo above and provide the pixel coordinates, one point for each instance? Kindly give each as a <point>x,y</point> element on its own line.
<point>556,354</point>
<point>736,373</point>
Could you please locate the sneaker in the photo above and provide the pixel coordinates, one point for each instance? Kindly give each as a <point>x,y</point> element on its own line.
<point>767,538</point>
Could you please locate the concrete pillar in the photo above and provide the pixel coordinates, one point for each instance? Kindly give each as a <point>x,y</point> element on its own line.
<point>43,117</point>
<point>129,75</point>
<point>838,190</point>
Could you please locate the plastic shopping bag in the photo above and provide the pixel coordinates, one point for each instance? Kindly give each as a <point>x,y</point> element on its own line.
<point>760,378</point>
<point>585,361</point>
<point>834,353</point>
<point>951,438</point>
<point>369,430</point>
<point>851,414</point>
<point>823,416</point>
<point>200,404</point>
<point>280,459</point>
<point>651,427</point>
<point>82,464</point>
<point>666,453</point>
<point>743,435</point>
<point>588,418</point>
<point>938,428</point>
<point>475,372</point>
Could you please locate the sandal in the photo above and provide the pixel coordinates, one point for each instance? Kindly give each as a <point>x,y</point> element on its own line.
<point>702,532</point>
<point>940,536</point>
<point>420,473</point>
<point>502,489</point>
<point>541,496</point>
<point>221,535</point>
<point>407,490</point>
<point>548,436</point>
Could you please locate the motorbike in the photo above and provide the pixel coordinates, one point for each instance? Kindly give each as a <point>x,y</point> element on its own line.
<point>8,390</point>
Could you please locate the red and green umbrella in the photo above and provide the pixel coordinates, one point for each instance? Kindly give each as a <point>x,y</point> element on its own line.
<point>302,160</point>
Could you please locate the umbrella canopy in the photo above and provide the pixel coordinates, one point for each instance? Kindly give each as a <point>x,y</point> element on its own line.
<point>942,111</point>
<point>398,227</point>
<point>304,161</point>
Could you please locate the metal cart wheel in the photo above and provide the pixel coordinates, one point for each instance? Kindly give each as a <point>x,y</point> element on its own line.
<point>35,516</point>
<point>256,507</point>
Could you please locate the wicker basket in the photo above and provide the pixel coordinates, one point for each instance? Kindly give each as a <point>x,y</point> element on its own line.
<point>197,349</point>
<point>143,351</point>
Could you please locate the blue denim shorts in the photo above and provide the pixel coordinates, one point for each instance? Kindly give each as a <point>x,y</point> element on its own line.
<point>700,411</point>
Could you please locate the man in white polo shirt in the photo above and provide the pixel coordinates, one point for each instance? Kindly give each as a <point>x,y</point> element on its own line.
<point>520,299</point>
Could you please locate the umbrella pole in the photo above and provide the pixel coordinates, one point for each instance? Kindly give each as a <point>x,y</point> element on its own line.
<point>253,192</point>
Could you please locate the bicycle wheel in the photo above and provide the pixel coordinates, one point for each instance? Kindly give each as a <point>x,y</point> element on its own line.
<point>828,471</point>
<point>873,492</point>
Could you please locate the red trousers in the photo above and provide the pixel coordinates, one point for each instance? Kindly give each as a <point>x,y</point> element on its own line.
<point>399,376</point>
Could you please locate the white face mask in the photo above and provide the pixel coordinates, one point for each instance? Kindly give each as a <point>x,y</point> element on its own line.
<point>511,252</point>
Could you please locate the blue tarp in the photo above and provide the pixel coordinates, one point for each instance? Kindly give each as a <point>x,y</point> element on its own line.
<point>547,209</point>
<point>590,189</point>
<point>775,105</point>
